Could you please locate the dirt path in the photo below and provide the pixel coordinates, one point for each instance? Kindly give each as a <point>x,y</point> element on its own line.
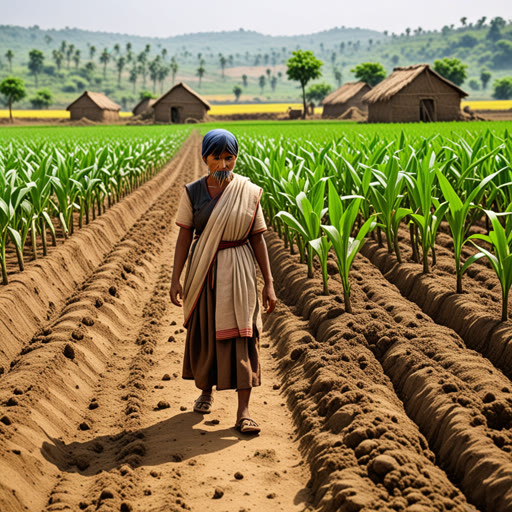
<point>95,415</point>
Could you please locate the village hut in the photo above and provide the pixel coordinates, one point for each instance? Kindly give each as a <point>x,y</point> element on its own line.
<point>180,104</point>
<point>95,106</point>
<point>347,96</point>
<point>412,94</point>
<point>144,106</point>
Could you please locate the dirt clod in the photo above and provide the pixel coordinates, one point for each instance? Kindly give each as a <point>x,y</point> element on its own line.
<point>218,493</point>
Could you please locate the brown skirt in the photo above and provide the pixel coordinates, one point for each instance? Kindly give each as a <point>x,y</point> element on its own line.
<point>226,364</point>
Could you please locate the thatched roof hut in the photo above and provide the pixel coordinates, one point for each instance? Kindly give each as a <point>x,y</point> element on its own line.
<point>347,96</point>
<point>180,104</point>
<point>143,106</point>
<point>411,94</point>
<point>94,106</point>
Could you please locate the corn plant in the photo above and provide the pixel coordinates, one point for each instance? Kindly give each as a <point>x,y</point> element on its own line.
<point>339,234</point>
<point>322,246</point>
<point>309,217</point>
<point>500,239</point>
<point>457,216</point>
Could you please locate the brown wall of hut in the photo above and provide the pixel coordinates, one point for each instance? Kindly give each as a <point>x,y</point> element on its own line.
<point>188,107</point>
<point>86,108</point>
<point>341,108</point>
<point>404,107</point>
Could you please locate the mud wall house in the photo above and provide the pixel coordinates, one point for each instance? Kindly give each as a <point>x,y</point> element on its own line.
<point>412,94</point>
<point>180,105</point>
<point>95,106</point>
<point>143,106</point>
<point>347,96</point>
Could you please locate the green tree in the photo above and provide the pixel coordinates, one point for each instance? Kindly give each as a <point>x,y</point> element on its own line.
<point>317,92</point>
<point>503,88</point>
<point>174,69</point>
<point>120,66</point>
<point>451,69</point>
<point>474,85</point>
<point>338,76</point>
<point>154,67</point>
<point>495,27</point>
<point>370,72</point>
<point>35,62</point>
<point>92,51</point>
<point>303,66</point>
<point>104,58</point>
<point>58,58</point>
<point>244,80</point>
<point>133,76</point>
<point>237,90</point>
<point>9,56</point>
<point>200,73</point>
<point>143,95</point>
<point>13,89</point>
<point>223,62</point>
<point>76,59</point>
<point>42,99</point>
<point>69,53</point>
<point>89,70</point>
<point>485,76</point>
<point>261,82</point>
<point>273,82</point>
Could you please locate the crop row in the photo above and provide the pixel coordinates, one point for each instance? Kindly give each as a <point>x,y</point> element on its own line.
<point>44,180</point>
<point>322,196</point>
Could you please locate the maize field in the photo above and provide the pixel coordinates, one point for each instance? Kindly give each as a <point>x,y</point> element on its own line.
<point>386,366</point>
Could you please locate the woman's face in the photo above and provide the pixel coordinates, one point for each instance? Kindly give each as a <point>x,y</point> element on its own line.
<point>224,162</point>
<point>221,166</point>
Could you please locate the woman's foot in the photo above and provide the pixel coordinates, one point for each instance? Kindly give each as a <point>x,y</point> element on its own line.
<point>204,403</point>
<point>247,425</point>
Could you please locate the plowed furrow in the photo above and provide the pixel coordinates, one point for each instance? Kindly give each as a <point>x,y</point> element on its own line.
<point>363,449</point>
<point>473,315</point>
<point>58,375</point>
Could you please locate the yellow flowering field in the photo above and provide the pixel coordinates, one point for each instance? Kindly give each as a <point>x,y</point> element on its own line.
<point>238,108</point>
<point>54,114</point>
<point>489,105</point>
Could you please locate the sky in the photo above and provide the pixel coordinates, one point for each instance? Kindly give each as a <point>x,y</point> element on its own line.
<point>164,18</point>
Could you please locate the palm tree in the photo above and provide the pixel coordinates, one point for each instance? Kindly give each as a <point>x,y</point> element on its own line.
<point>261,81</point>
<point>69,52</point>
<point>142,60</point>
<point>133,77</point>
<point>174,69</point>
<point>92,51</point>
<point>164,53</point>
<point>76,58</point>
<point>244,80</point>
<point>104,58</point>
<point>128,47</point>
<point>200,72</point>
<point>222,61</point>
<point>9,56</point>
<point>35,63</point>
<point>120,65</point>
<point>154,67</point>
<point>163,73</point>
<point>58,58</point>
<point>117,49</point>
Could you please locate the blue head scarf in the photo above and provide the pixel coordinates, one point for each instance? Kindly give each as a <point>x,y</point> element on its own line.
<point>217,141</point>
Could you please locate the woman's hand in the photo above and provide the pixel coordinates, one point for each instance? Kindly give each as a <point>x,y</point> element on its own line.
<point>269,297</point>
<point>176,290</point>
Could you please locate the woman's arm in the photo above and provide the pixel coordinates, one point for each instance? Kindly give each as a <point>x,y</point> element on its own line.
<point>260,251</point>
<point>180,256</point>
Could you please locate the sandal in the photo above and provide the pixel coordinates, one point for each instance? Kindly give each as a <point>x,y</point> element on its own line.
<point>203,404</point>
<point>247,426</point>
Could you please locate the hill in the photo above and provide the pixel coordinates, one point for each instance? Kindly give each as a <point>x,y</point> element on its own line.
<point>122,65</point>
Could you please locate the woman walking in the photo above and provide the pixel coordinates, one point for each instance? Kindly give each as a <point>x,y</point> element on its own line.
<point>222,213</point>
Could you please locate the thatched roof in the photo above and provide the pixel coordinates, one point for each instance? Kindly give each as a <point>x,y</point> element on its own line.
<point>99,99</point>
<point>188,89</point>
<point>344,93</point>
<point>401,77</point>
<point>151,102</point>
